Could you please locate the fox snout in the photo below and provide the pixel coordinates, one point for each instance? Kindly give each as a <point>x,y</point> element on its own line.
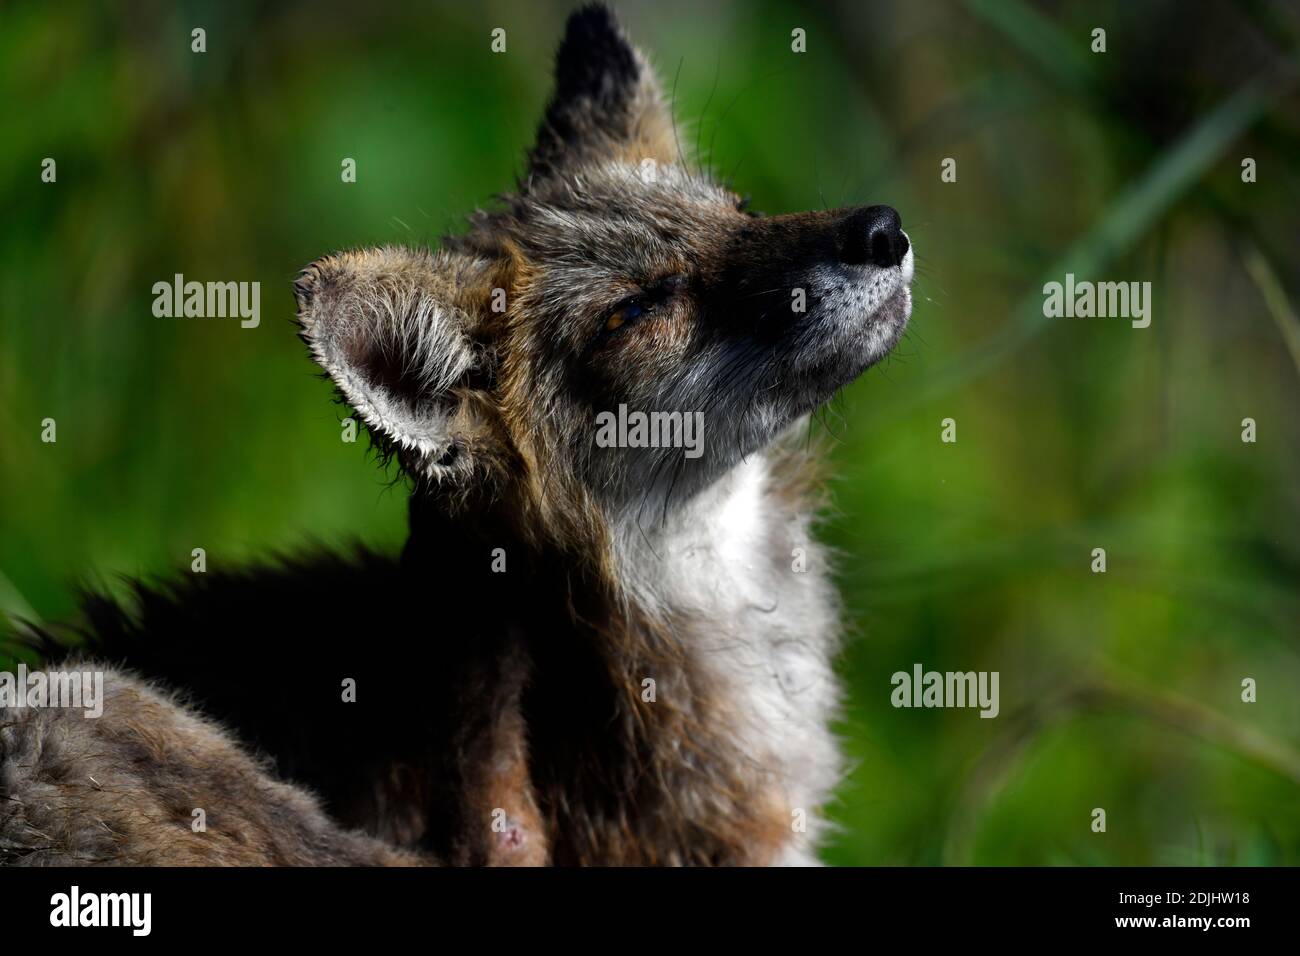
<point>812,272</point>
<point>788,248</point>
<point>874,235</point>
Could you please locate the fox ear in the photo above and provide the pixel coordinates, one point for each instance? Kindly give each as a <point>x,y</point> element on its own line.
<point>607,103</point>
<point>392,328</point>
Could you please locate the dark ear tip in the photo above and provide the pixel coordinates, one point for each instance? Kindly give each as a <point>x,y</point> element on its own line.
<point>309,282</point>
<point>592,20</point>
<point>593,49</point>
<point>305,283</point>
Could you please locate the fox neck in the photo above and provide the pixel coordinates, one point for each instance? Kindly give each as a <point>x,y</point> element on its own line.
<point>679,700</point>
<point>736,577</point>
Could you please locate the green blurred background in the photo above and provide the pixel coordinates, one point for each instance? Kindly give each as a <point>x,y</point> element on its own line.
<point>1119,690</point>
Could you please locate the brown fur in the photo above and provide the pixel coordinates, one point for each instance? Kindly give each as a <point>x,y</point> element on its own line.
<point>122,788</point>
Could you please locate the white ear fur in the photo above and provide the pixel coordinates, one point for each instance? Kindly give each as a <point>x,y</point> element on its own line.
<point>383,323</point>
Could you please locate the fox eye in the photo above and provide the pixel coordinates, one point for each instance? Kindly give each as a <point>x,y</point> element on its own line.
<point>645,302</point>
<point>625,314</point>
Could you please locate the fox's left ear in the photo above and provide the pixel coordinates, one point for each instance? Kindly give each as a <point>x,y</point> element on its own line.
<point>394,329</point>
<point>607,103</point>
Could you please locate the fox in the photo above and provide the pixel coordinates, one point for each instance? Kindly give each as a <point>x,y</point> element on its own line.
<point>587,652</point>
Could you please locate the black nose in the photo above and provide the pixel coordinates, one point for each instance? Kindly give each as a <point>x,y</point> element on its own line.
<point>873,234</point>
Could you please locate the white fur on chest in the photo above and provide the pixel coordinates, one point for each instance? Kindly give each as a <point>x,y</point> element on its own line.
<point>763,630</point>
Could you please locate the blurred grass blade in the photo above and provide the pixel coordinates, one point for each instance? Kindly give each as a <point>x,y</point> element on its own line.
<point>1058,53</point>
<point>1275,298</point>
<point>1127,220</point>
<point>1092,695</point>
<point>12,603</point>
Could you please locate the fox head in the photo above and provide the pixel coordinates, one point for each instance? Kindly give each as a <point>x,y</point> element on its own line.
<point>613,276</point>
